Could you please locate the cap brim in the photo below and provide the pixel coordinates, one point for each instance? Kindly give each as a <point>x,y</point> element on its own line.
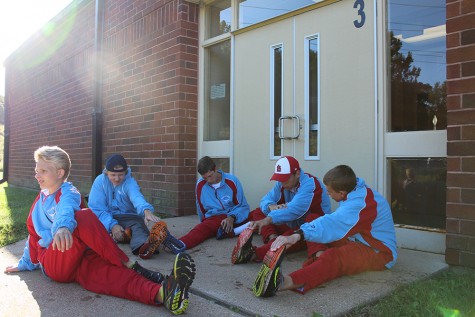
<point>280,177</point>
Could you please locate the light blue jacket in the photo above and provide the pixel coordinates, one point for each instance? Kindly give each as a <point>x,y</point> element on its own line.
<point>309,196</point>
<point>105,200</point>
<point>49,213</point>
<point>365,216</point>
<point>227,199</point>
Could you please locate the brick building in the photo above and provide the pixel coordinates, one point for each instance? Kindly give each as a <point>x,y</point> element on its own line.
<point>138,97</point>
<point>461,133</point>
<point>165,82</point>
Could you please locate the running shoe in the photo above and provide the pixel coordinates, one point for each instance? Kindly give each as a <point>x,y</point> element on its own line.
<point>155,239</point>
<point>175,287</point>
<point>172,244</point>
<point>153,276</point>
<point>221,234</point>
<point>127,235</point>
<point>269,278</point>
<point>243,251</point>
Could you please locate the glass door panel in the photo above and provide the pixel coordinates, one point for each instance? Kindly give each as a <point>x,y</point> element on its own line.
<point>418,68</point>
<point>418,191</point>
<point>216,125</point>
<point>416,136</point>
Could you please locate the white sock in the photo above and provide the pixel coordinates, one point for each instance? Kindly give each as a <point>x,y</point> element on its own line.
<point>241,228</point>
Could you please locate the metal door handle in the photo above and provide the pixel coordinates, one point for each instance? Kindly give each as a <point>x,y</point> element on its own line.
<point>296,131</point>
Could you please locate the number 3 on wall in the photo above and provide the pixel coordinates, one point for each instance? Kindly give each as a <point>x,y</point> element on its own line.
<point>360,5</point>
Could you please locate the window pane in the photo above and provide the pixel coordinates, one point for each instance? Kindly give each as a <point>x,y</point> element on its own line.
<point>276,86</point>
<point>254,11</point>
<point>313,96</point>
<point>218,17</point>
<point>418,65</point>
<point>217,102</point>
<point>418,189</point>
<point>222,163</point>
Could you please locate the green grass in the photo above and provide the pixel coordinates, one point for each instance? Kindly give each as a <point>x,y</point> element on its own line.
<point>15,205</point>
<point>448,294</point>
<point>2,145</point>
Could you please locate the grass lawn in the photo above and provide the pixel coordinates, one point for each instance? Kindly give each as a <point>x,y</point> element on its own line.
<point>449,294</point>
<point>15,205</point>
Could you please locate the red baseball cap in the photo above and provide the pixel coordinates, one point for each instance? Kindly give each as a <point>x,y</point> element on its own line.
<point>285,167</point>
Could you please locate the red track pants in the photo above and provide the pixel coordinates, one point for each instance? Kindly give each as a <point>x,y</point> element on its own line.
<point>205,230</point>
<point>343,258</point>
<point>284,230</point>
<point>96,263</point>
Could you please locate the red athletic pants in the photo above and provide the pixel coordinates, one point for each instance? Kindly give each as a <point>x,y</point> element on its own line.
<point>206,229</point>
<point>343,258</point>
<point>96,263</point>
<point>284,230</point>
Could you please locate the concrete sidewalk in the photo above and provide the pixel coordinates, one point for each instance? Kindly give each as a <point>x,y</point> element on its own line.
<point>220,288</point>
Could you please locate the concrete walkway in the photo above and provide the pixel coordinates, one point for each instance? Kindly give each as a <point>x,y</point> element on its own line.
<point>220,288</point>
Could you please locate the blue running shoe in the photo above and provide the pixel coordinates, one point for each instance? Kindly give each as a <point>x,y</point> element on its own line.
<point>172,244</point>
<point>221,234</point>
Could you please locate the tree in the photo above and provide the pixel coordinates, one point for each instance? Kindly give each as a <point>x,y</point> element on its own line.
<point>401,69</point>
<point>2,109</point>
<point>413,104</point>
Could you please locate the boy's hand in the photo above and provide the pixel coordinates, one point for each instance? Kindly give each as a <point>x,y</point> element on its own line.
<point>11,269</point>
<point>260,223</point>
<point>284,240</point>
<point>62,240</point>
<point>117,233</point>
<point>275,207</point>
<point>149,216</point>
<point>227,224</point>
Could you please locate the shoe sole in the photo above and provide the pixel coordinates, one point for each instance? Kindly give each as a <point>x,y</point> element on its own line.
<point>158,234</point>
<point>270,268</point>
<point>244,241</point>
<point>183,273</point>
<point>127,235</point>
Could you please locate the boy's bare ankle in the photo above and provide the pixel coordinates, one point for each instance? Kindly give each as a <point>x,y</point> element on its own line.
<point>289,284</point>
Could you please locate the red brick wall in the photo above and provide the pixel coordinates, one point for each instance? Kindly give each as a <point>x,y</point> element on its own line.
<point>150,69</point>
<point>48,97</point>
<point>150,96</point>
<point>461,132</point>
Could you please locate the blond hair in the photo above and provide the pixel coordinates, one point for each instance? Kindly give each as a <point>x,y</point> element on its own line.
<point>55,155</point>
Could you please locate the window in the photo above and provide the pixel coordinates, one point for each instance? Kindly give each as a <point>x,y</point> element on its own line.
<point>418,65</point>
<point>218,18</point>
<point>217,90</point>
<point>276,99</point>
<point>418,191</point>
<point>255,11</point>
<point>312,98</point>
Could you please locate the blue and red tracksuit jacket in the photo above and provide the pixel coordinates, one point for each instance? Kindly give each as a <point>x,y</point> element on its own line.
<point>365,217</point>
<point>48,213</point>
<point>227,199</point>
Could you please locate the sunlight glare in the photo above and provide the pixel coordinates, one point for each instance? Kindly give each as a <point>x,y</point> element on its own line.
<point>449,312</point>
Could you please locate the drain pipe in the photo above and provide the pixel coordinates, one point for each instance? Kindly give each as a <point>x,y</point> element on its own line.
<point>6,137</point>
<point>97,111</point>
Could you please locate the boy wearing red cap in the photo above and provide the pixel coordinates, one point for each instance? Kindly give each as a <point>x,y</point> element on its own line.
<point>360,236</point>
<point>297,197</point>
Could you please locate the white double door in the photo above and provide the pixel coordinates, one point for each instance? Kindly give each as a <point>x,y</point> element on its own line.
<point>304,86</point>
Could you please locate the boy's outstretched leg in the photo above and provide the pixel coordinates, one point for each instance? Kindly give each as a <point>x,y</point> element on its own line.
<point>269,278</point>
<point>175,287</point>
